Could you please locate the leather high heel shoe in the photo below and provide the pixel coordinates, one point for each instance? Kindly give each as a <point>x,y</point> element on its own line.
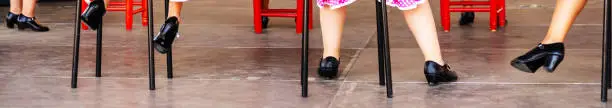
<point>30,23</point>
<point>93,14</point>
<point>329,67</point>
<point>467,18</point>
<point>547,55</point>
<point>11,20</point>
<point>436,73</point>
<point>168,32</point>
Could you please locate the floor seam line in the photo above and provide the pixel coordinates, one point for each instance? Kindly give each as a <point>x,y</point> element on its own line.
<point>348,67</point>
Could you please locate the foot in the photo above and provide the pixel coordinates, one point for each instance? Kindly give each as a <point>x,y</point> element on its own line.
<point>436,73</point>
<point>30,23</point>
<point>168,32</point>
<point>547,55</point>
<point>93,14</point>
<point>329,67</point>
<point>467,18</point>
<point>11,20</point>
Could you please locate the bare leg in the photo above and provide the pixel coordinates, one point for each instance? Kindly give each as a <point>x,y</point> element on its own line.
<point>175,10</point>
<point>565,14</point>
<point>16,6</point>
<point>106,2</point>
<point>332,22</point>
<point>422,25</point>
<point>28,8</point>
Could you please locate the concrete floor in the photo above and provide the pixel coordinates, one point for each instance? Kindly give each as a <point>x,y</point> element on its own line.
<point>220,63</point>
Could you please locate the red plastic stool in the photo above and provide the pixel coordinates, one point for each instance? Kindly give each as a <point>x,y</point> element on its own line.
<point>262,12</point>
<point>128,7</point>
<point>496,9</point>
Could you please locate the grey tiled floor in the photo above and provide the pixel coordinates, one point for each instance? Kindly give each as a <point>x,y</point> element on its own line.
<point>220,63</point>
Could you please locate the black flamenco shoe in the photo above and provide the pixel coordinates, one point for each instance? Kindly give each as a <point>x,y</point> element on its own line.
<point>467,18</point>
<point>548,56</point>
<point>329,67</point>
<point>436,73</point>
<point>168,32</point>
<point>93,14</point>
<point>24,22</point>
<point>11,20</point>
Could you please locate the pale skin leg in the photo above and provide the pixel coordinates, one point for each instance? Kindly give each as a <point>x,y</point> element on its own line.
<point>421,22</point>
<point>15,7</point>
<point>28,8</point>
<point>332,22</point>
<point>563,17</point>
<point>175,10</point>
<point>106,2</point>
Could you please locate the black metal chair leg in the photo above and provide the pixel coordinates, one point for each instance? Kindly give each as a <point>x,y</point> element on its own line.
<point>166,5</point>
<point>75,50</point>
<point>169,54</point>
<point>169,63</point>
<point>608,82</point>
<point>606,45</point>
<point>381,42</point>
<point>99,49</point>
<point>304,67</point>
<point>387,58</point>
<point>150,46</point>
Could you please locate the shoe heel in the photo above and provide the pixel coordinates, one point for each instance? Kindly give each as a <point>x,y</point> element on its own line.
<point>530,66</point>
<point>432,79</point>
<point>552,62</point>
<point>328,68</point>
<point>10,24</point>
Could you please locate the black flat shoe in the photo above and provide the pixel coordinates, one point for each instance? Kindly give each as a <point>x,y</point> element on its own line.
<point>547,55</point>
<point>11,20</point>
<point>168,32</point>
<point>93,14</point>
<point>467,18</point>
<point>30,23</point>
<point>329,67</point>
<point>436,73</point>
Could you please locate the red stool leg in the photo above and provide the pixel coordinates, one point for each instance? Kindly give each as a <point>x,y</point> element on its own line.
<point>257,16</point>
<point>493,15</point>
<point>502,12</point>
<point>310,14</point>
<point>83,7</point>
<point>300,16</point>
<point>144,6</point>
<point>129,14</point>
<point>445,14</point>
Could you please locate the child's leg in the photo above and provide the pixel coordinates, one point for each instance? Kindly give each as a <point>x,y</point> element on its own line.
<point>175,9</point>
<point>421,23</point>
<point>28,8</point>
<point>106,2</point>
<point>332,22</point>
<point>169,30</point>
<point>565,14</point>
<point>16,6</point>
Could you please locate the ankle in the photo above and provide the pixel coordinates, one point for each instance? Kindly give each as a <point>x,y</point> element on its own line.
<point>550,42</point>
<point>28,15</point>
<point>333,52</point>
<point>177,17</point>
<point>440,62</point>
<point>331,55</point>
<point>16,12</point>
